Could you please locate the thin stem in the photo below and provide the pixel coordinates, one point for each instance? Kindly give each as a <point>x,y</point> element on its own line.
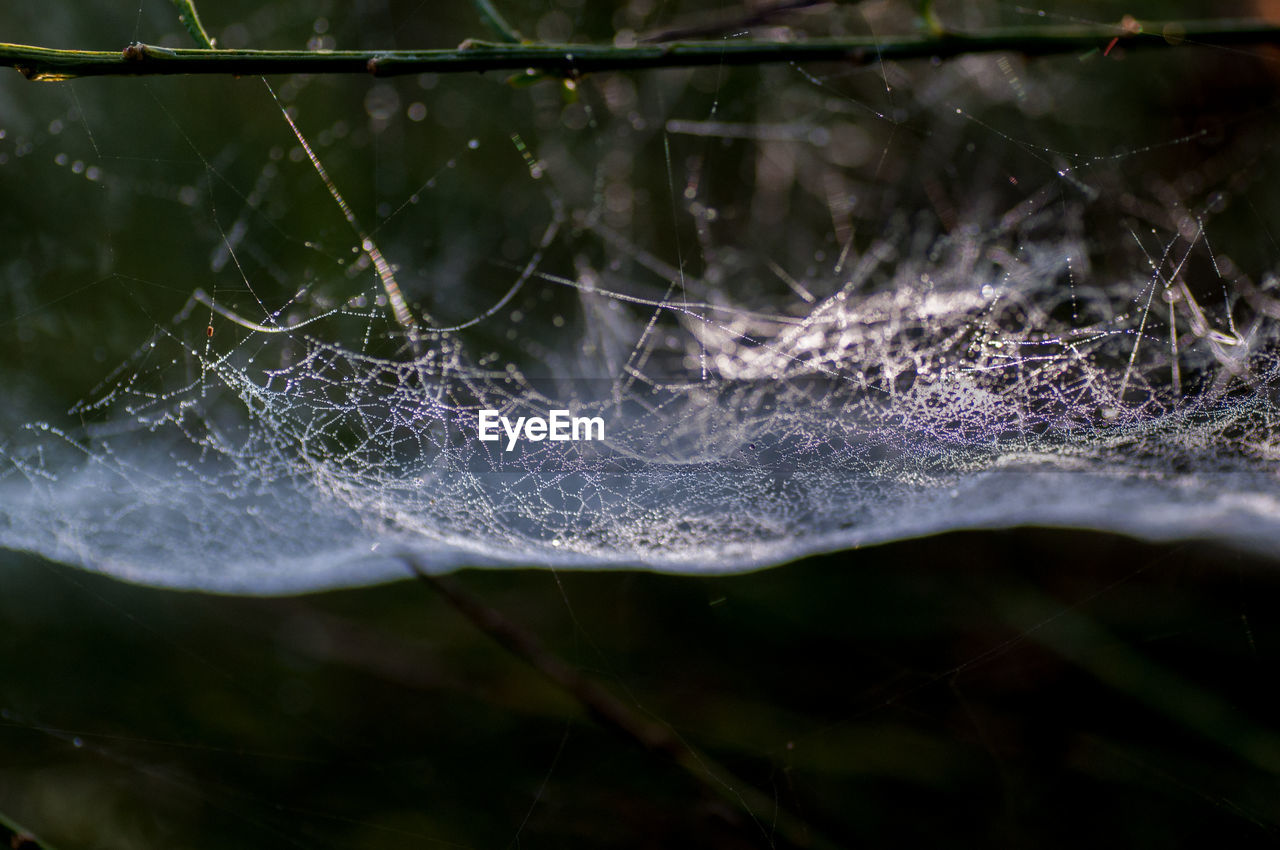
<point>13,835</point>
<point>493,20</point>
<point>929,17</point>
<point>190,19</point>
<point>42,63</point>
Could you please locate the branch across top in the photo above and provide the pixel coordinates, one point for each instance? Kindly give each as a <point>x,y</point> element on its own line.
<point>571,60</point>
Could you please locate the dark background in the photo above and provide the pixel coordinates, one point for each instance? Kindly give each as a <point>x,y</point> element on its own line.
<point>1021,688</point>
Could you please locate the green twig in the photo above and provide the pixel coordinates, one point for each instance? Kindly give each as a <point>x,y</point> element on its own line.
<point>42,63</point>
<point>191,20</point>
<point>15,836</point>
<point>493,20</point>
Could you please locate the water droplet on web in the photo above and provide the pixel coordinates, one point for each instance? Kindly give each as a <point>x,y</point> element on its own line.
<point>382,101</point>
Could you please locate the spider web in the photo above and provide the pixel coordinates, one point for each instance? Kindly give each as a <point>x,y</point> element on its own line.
<point>816,307</point>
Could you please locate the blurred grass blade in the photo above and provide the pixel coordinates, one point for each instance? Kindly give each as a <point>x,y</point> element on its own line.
<point>191,20</point>
<point>1088,645</point>
<point>493,20</point>
<point>14,836</point>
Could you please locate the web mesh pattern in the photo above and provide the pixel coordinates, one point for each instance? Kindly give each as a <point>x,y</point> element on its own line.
<point>815,307</point>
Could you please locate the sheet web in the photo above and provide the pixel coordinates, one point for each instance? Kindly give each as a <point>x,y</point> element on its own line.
<point>815,307</point>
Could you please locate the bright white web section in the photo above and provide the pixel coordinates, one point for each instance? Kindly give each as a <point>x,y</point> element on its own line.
<point>815,322</point>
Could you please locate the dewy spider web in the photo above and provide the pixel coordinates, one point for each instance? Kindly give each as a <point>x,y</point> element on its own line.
<point>816,308</point>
